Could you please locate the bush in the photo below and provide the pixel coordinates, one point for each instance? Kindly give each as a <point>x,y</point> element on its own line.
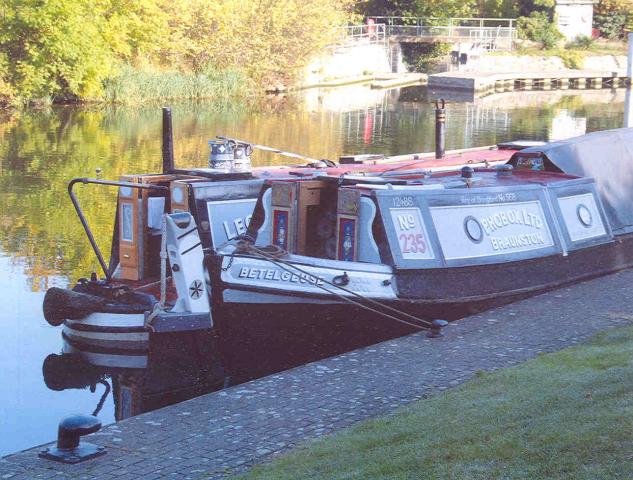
<point>611,24</point>
<point>539,28</point>
<point>581,42</point>
<point>572,58</point>
<point>423,57</point>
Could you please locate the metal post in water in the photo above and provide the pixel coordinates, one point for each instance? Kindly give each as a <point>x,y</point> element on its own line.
<point>628,104</point>
<point>440,126</point>
<point>168,141</point>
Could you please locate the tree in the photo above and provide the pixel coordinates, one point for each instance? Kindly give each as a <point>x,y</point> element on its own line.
<point>498,8</point>
<point>613,17</point>
<point>446,8</point>
<point>54,46</point>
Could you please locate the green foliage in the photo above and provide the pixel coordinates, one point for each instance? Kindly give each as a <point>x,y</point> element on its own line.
<point>614,17</point>
<point>53,48</point>
<point>446,8</point>
<point>133,86</point>
<point>581,42</point>
<point>498,8</point>
<point>538,27</point>
<point>611,24</point>
<point>423,57</point>
<point>527,7</point>
<point>572,58</point>
<point>386,7</point>
<point>68,49</point>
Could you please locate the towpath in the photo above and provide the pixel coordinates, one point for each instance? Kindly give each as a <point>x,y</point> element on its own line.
<point>223,433</point>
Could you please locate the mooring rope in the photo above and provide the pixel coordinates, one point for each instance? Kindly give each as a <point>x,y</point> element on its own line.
<point>160,306</point>
<point>351,292</point>
<point>103,397</point>
<point>244,246</point>
<point>163,262</point>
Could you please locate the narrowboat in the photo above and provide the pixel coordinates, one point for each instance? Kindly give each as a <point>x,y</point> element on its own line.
<point>388,254</point>
<point>155,281</point>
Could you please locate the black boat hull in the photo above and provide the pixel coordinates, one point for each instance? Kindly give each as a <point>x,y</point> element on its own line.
<point>295,328</point>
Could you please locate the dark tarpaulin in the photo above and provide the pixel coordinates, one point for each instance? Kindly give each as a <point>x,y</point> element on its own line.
<point>606,156</point>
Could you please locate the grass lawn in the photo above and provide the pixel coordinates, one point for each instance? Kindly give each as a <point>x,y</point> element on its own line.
<point>563,415</point>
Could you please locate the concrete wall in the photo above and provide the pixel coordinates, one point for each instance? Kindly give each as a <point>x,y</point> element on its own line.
<point>533,63</point>
<point>349,61</point>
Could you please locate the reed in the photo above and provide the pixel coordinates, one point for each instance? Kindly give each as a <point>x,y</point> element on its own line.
<point>132,86</point>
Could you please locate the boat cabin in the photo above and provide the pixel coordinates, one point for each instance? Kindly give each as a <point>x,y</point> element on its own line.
<point>419,221</point>
<point>221,206</point>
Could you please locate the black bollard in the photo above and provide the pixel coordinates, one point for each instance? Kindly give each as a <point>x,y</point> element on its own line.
<point>436,328</point>
<point>467,171</point>
<point>168,142</point>
<point>68,448</point>
<point>440,126</point>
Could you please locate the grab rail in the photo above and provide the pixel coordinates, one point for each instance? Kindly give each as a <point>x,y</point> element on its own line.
<point>82,217</point>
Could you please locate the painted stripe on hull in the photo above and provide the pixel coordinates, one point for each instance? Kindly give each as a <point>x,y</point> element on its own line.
<point>123,341</point>
<point>111,321</point>
<point>109,360</point>
<point>250,297</point>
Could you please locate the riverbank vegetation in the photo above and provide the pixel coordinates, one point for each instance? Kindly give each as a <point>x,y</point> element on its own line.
<point>561,415</point>
<point>114,50</point>
<point>613,18</point>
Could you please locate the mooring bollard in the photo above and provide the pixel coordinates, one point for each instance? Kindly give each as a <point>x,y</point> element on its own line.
<point>68,448</point>
<point>168,142</point>
<point>440,125</point>
<point>436,329</point>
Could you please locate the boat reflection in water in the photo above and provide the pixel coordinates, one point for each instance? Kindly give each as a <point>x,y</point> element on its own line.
<point>177,368</point>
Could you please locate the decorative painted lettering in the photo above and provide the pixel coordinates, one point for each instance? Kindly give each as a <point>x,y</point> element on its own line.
<point>239,226</point>
<point>278,275</point>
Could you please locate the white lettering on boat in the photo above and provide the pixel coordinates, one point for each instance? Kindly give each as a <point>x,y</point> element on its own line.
<point>239,227</point>
<point>510,217</point>
<point>517,241</point>
<point>476,231</point>
<point>278,275</point>
<point>411,233</point>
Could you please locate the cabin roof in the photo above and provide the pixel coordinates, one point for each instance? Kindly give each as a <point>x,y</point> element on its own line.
<point>606,156</point>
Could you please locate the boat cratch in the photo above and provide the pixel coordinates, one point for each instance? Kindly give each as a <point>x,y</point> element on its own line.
<point>274,258</point>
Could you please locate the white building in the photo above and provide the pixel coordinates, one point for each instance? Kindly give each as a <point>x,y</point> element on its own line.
<point>575,17</point>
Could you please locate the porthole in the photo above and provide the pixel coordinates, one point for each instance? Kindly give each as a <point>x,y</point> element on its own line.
<point>584,215</point>
<point>473,229</point>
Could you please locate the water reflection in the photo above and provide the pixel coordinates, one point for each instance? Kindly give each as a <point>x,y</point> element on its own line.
<point>179,367</point>
<point>42,244</point>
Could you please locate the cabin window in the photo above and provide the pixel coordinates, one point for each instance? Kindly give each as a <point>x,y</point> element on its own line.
<point>530,163</point>
<point>127,222</point>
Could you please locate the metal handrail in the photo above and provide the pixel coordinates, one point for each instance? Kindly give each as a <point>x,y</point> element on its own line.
<point>82,217</point>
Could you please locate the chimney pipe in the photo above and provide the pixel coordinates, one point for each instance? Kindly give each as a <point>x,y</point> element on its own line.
<point>440,126</point>
<point>168,142</point>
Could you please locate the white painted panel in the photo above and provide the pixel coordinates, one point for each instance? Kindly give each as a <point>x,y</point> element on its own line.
<point>412,237</point>
<point>265,232</point>
<point>582,217</point>
<point>229,218</point>
<point>307,279</point>
<point>472,231</point>
<point>367,248</point>
<point>155,210</point>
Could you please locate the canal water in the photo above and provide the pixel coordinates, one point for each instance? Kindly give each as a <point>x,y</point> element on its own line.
<point>42,243</point>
